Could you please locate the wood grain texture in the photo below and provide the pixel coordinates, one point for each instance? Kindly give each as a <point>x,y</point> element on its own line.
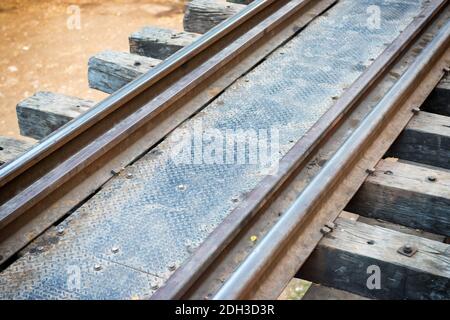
<point>342,258</point>
<point>439,100</point>
<point>426,140</point>
<point>108,71</point>
<point>159,43</point>
<point>402,193</point>
<point>392,226</point>
<point>318,292</point>
<point>240,1</point>
<point>45,112</point>
<point>11,148</point>
<point>202,15</point>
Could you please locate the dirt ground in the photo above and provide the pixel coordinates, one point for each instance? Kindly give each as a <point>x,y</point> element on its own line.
<point>46,44</point>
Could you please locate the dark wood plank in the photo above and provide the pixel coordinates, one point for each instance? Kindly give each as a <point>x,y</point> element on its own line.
<point>108,71</point>
<point>346,258</point>
<point>426,140</point>
<point>241,1</point>
<point>44,112</point>
<point>11,148</point>
<point>318,292</point>
<point>202,15</point>
<point>404,194</point>
<point>159,43</point>
<point>439,100</point>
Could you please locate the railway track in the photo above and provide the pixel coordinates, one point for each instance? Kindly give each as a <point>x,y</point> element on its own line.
<point>103,196</point>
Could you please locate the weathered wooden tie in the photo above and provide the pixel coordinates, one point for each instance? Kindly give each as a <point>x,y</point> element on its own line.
<point>202,15</point>
<point>11,148</point>
<point>319,292</point>
<point>44,112</point>
<point>241,1</point>
<point>108,71</point>
<point>159,43</point>
<point>426,140</point>
<point>410,195</point>
<point>354,255</point>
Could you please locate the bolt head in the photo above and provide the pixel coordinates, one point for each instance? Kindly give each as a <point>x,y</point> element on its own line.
<point>172,266</point>
<point>407,248</point>
<point>330,225</point>
<point>325,230</point>
<point>415,110</point>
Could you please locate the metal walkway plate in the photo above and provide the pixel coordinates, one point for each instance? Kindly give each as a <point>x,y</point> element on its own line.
<point>127,239</point>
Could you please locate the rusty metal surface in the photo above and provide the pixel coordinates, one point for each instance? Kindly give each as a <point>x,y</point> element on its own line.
<point>157,212</point>
<point>51,179</point>
<point>219,254</point>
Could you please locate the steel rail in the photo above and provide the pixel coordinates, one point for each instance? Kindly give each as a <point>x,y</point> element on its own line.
<point>36,181</point>
<point>331,174</point>
<point>183,280</point>
<point>126,93</point>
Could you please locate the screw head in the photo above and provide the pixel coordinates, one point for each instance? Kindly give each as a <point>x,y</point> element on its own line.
<point>60,230</point>
<point>155,286</point>
<point>182,187</point>
<point>97,267</point>
<point>407,248</point>
<point>129,176</point>
<point>432,179</point>
<point>137,63</point>
<point>330,225</point>
<point>388,172</point>
<point>416,110</point>
<point>172,266</point>
<point>115,249</point>
<point>325,230</point>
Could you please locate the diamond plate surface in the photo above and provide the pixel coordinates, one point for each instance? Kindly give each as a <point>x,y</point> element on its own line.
<point>157,211</point>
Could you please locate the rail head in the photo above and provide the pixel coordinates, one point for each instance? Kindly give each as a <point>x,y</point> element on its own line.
<point>75,161</point>
<point>184,279</point>
<point>126,93</point>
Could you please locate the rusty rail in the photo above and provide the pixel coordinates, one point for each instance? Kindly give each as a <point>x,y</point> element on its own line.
<point>69,165</point>
<point>183,284</point>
